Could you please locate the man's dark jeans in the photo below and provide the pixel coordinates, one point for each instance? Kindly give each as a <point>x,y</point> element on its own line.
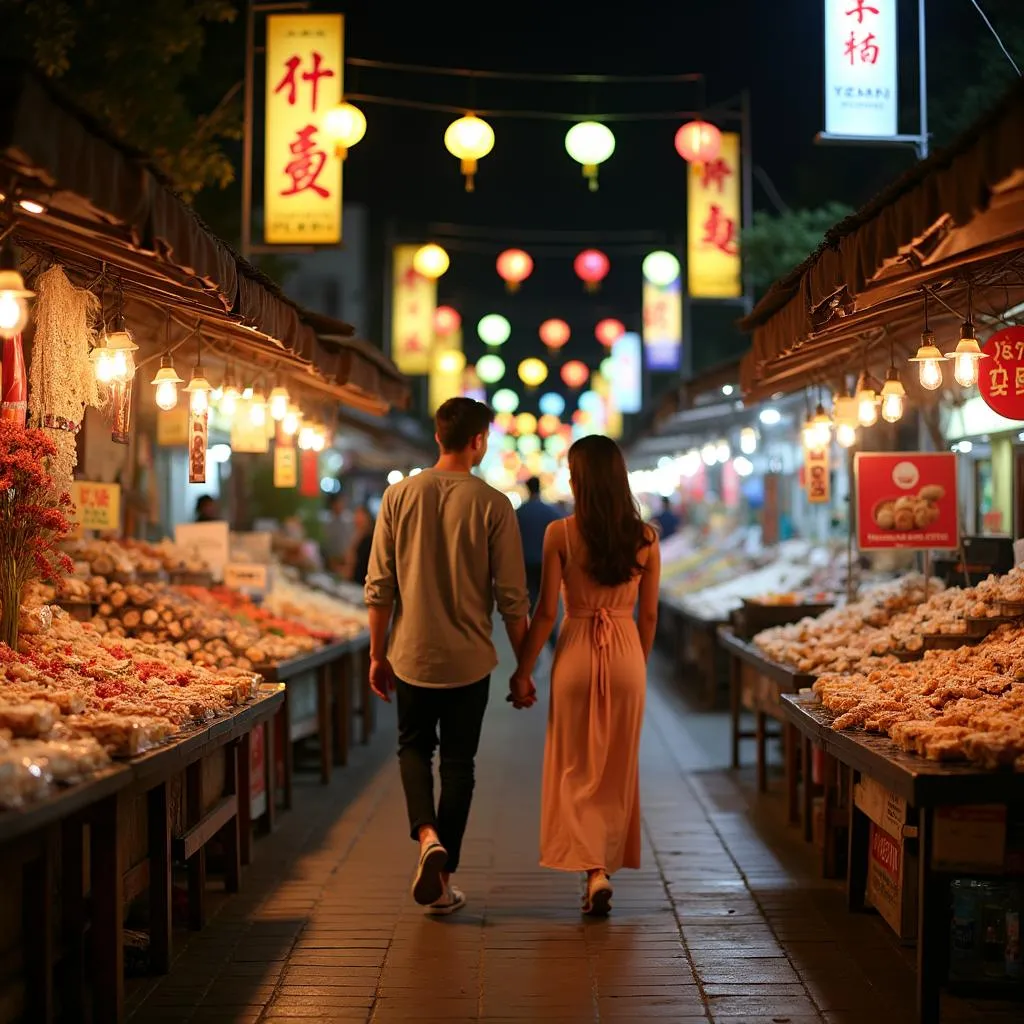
<point>459,714</point>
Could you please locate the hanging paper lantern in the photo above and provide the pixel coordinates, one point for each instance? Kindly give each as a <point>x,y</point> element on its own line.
<point>609,331</point>
<point>575,374</point>
<point>430,261</point>
<point>514,267</point>
<point>504,421</point>
<point>469,139</point>
<point>697,142</point>
<point>493,329</point>
<point>344,125</point>
<point>661,268</point>
<point>552,404</point>
<point>533,372</point>
<point>605,368</point>
<point>529,444</point>
<point>490,369</point>
<point>591,268</point>
<point>505,400</point>
<point>590,143</point>
<point>446,321</point>
<point>554,333</point>
<point>591,402</point>
<point>548,425</point>
<point>526,423</point>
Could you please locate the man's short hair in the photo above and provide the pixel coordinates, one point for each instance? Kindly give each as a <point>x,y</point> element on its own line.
<point>459,420</point>
<point>533,486</point>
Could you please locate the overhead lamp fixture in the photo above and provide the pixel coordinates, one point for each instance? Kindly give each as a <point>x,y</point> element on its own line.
<point>14,295</point>
<point>166,383</point>
<point>967,353</point>
<point>230,392</point>
<point>278,402</point>
<point>258,406</point>
<point>928,358</point>
<point>199,386</point>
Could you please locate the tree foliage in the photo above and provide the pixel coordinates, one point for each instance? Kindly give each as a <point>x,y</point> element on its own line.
<point>138,66</point>
<point>778,242</point>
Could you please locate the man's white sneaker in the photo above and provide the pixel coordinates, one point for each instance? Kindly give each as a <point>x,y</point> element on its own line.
<point>454,899</point>
<point>427,886</point>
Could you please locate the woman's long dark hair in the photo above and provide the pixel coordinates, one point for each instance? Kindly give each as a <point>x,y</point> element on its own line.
<point>607,515</point>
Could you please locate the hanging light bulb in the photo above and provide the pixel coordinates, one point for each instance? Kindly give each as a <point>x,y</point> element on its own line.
<point>166,383</point>
<point>102,360</point>
<point>822,424</point>
<point>319,439</point>
<point>846,435</point>
<point>198,389</point>
<point>258,407</point>
<point>14,295</point>
<point>868,400</point>
<point>306,438</point>
<point>894,396</point>
<point>290,420</point>
<point>279,402</point>
<point>928,358</point>
<point>966,356</point>
<point>230,393</point>
<point>809,435</point>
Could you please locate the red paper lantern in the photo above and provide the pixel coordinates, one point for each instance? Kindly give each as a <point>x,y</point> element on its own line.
<point>446,321</point>
<point>514,267</point>
<point>554,333</point>
<point>609,331</point>
<point>591,268</point>
<point>697,142</point>
<point>575,374</point>
<point>505,421</point>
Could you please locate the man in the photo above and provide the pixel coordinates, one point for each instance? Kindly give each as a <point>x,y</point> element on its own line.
<point>445,549</point>
<point>534,518</point>
<point>207,509</point>
<point>337,533</point>
<point>667,520</point>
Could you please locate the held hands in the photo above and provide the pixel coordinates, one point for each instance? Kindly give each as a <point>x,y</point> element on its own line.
<point>382,678</point>
<point>521,692</point>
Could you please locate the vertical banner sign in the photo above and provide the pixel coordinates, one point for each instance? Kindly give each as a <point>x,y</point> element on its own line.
<point>860,68</point>
<point>663,324</point>
<point>447,365</point>
<point>713,219</point>
<point>414,298</point>
<point>286,466</point>
<point>816,476</point>
<point>770,514</point>
<point>309,474</point>
<point>197,437</point>
<point>627,373</point>
<point>302,172</point>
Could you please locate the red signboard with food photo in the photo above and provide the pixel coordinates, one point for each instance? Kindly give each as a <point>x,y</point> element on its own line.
<point>907,500</point>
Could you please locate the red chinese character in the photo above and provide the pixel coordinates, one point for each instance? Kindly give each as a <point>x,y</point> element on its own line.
<point>410,277</point>
<point>860,9</point>
<point>289,81</point>
<point>102,499</point>
<point>656,313</point>
<point>413,344</point>
<point>307,164</point>
<point>86,493</point>
<point>720,231</point>
<point>714,172</point>
<point>868,49</point>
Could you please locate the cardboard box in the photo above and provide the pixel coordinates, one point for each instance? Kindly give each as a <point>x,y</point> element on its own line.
<point>884,808</point>
<point>892,880</point>
<point>970,838</point>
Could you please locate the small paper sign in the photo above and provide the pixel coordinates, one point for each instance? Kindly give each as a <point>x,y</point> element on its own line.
<point>206,542</point>
<point>97,506</point>
<point>198,432</point>
<point>247,577</point>
<point>817,480</point>
<point>286,466</point>
<point>172,427</point>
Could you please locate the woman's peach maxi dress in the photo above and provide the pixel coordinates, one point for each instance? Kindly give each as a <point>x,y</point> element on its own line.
<point>590,816</point>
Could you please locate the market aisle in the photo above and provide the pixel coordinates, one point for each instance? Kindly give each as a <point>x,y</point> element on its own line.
<point>715,927</point>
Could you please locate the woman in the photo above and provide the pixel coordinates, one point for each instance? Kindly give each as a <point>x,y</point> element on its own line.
<point>606,560</point>
<point>359,555</point>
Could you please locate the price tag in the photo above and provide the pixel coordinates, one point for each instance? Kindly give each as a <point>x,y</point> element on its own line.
<point>247,577</point>
<point>97,506</point>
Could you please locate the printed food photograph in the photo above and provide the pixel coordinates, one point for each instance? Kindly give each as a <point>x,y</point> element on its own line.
<point>910,511</point>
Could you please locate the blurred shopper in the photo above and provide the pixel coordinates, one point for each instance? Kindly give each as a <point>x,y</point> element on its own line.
<point>207,509</point>
<point>667,520</point>
<point>534,516</point>
<point>446,548</point>
<point>337,534</point>
<point>362,541</point>
<point>609,563</point>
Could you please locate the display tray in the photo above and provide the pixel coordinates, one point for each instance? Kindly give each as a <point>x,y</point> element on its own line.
<point>949,641</point>
<point>324,655</point>
<point>989,624</point>
<point>916,779</point>
<point>785,676</point>
<point>162,761</point>
<point>756,616</point>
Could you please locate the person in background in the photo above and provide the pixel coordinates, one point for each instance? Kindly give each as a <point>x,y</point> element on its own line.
<point>207,509</point>
<point>362,542</point>
<point>337,540</point>
<point>446,549</point>
<point>667,520</point>
<point>534,516</point>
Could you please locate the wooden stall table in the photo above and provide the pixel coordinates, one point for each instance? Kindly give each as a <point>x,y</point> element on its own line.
<point>757,685</point>
<point>933,796</point>
<point>696,647</point>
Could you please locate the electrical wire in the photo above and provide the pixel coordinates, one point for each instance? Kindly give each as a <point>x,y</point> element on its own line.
<point>995,34</point>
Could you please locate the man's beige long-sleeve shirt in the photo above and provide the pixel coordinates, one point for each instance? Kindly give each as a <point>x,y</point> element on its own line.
<point>446,549</point>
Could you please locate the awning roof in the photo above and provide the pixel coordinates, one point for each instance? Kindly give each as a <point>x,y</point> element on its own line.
<point>105,203</point>
<point>955,217</point>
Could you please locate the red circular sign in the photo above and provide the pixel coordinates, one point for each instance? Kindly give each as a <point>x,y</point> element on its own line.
<point>1001,376</point>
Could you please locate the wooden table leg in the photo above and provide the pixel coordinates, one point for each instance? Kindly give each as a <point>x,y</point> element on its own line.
<point>762,752</point>
<point>735,705</point>
<point>38,929</point>
<point>791,742</point>
<point>245,798</point>
<point>342,685</point>
<point>270,769</point>
<point>324,721</point>
<point>160,866</point>
<point>932,925</point>
<point>230,832</point>
<point>197,862</point>
<point>857,855</point>
<point>289,751</point>
<point>807,774</point>
<point>829,858</point>
<point>73,919</point>
<point>107,910</point>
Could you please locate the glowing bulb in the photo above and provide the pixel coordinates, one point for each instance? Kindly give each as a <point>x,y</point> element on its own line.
<point>846,435</point>
<point>929,373</point>
<point>258,411</point>
<point>867,407</point>
<point>306,438</point>
<point>104,367</point>
<point>199,401</point>
<point>167,395</point>
<point>279,403</point>
<point>290,422</point>
<point>13,314</point>
<point>120,364</point>
<point>748,440</point>
<point>892,408</point>
<point>319,440</point>
<point>965,370</point>
<point>709,454</point>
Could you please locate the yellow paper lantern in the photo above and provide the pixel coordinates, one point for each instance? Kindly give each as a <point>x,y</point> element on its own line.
<point>590,143</point>
<point>469,139</point>
<point>430,261</point>
<point>344,125</point>
<point>533,372</point>
<point>526,423</point>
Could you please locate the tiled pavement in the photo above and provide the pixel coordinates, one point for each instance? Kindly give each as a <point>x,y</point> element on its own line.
<point>728,920</point>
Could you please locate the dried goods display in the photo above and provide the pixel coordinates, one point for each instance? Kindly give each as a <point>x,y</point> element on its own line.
<point>336,617</point>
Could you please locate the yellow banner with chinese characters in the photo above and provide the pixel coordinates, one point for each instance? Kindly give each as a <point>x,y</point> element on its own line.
<point>97,506</point>
<point>447,365</point>
<point>612,417</point>
<point>302,173</point>
<point>414,299</point>
<point>663,325</point>
<point>714,216</point>
<point>286,466</point>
